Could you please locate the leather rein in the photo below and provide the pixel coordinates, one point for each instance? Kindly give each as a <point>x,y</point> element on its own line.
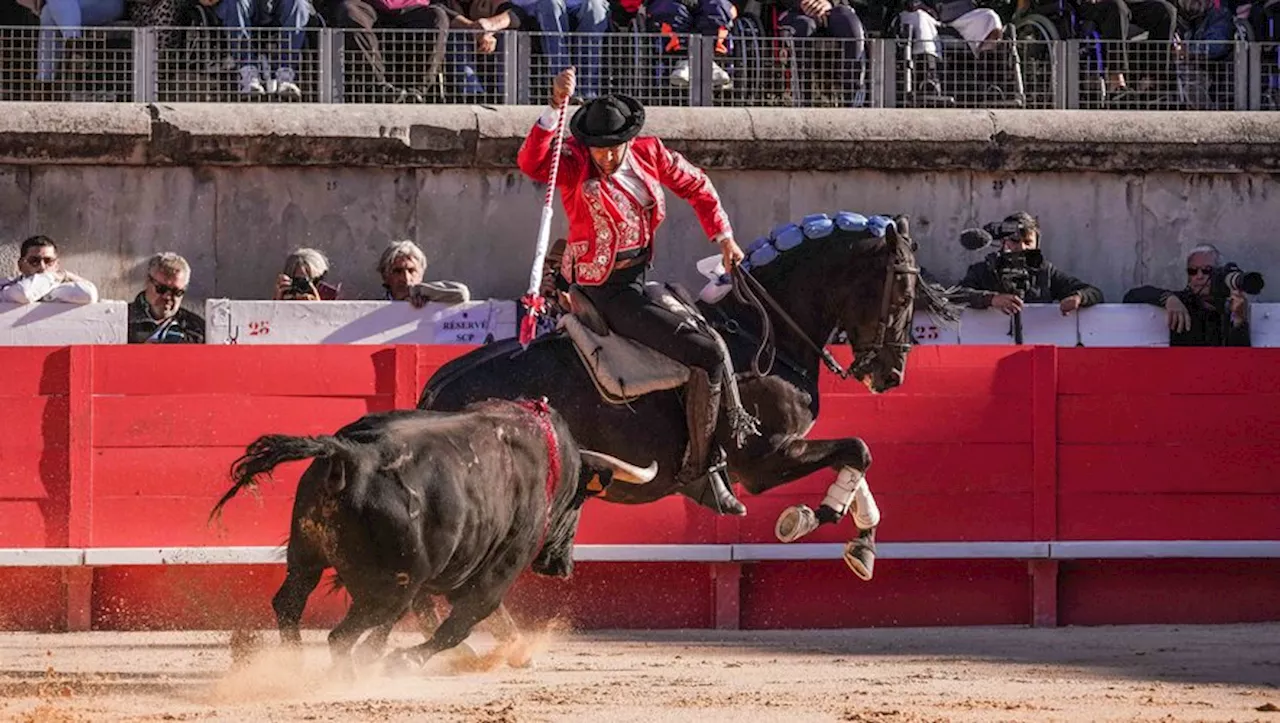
<point>748,290</point>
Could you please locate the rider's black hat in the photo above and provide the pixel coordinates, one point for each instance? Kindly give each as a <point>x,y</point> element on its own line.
<point>609,120</point>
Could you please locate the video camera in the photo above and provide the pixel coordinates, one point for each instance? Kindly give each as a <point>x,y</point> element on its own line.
<point>1014,268</point>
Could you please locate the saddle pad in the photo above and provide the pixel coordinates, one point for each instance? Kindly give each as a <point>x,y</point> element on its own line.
<point>622,369</point>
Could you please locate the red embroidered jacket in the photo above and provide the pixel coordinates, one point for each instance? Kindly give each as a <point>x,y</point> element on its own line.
<point>604,219</point>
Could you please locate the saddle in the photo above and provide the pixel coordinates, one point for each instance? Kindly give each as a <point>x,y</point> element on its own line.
<point>623,370</point>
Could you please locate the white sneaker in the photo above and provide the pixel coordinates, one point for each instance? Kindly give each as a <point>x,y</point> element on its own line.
<point>284,83</point>
<point>720,80</point>
<point>680,76</point>
<point>251,80</point>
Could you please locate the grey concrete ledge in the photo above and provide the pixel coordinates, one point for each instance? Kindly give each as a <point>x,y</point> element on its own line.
<point>717,138</point>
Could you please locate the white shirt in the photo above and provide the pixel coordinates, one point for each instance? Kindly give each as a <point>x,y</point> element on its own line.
<point>46,287</point>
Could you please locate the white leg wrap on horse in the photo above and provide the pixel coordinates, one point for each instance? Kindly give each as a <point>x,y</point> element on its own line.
<point>841,492</point>
<point>866,514</point>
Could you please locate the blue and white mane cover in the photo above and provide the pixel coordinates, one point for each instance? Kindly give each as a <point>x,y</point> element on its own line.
<point>764,250</point>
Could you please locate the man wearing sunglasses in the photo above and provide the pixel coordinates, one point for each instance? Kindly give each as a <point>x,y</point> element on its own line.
<point>156,315</point>
<point>40,278</point>
<point>1197,315</point>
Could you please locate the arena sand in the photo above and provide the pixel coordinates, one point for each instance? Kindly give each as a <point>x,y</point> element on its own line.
<point>1140,673</point>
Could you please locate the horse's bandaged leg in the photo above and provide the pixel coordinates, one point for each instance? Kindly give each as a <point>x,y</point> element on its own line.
<point>840,493</point>
<point>866,515</point>
<point>850,490</point>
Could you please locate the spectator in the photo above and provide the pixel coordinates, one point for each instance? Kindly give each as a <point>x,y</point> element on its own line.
<point>588,17</point>
<point>61,19</point>
<point>980,27</point>
<point>483,19</point>
<point>291,15</point>
<point>402,268</point>
<point>824,19</point>
<point>982,286</point>
<point>415,72</point>
<point>710,18</point>
<point>1200,315</point>
<point>40,278</point>
<point>156,315</point>
<point>302,278</point>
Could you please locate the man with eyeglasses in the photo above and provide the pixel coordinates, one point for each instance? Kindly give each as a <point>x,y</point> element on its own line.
<point>40,278</point>
<point>1197,315</point>
<point>156,315</point>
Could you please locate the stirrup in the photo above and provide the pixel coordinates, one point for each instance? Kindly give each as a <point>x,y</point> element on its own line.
<point>716,492</point>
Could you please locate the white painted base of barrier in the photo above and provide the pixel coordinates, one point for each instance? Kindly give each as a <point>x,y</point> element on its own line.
<point>57,324</point>
<point>1067,550</point>
<point>1104,325</point>
<point>230,321</point>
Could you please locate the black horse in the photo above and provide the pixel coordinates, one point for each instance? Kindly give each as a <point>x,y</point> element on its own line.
<point>848,274</point>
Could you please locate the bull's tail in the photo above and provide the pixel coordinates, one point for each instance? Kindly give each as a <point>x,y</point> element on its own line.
<point>269,451</point>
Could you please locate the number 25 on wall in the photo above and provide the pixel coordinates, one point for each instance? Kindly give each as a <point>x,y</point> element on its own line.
<point>259,328</point>
<point>926,332</point>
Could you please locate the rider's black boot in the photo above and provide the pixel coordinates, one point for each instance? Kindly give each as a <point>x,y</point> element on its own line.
<point>704,478</point>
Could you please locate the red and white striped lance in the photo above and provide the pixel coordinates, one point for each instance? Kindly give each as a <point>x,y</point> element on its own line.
<point>533,302</point>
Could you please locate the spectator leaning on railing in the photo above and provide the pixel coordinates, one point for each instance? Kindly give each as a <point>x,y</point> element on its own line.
<point>402,267</point>
<point>156,315</point>
<point>41,278</point>
<point>1204,313</point>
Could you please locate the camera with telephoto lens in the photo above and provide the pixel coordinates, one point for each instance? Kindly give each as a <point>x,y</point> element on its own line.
<point>1230,277</point>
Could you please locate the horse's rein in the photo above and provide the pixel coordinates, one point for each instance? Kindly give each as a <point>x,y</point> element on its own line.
<point>749,290</point>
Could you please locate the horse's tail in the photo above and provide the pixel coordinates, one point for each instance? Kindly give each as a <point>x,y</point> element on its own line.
<point>271,450</point>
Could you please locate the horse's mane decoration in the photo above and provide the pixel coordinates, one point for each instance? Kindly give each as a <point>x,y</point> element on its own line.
<point>785,237</point>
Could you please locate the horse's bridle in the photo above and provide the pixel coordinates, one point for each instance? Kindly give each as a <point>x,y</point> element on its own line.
<point>865,354</point>
<point>749,290</point>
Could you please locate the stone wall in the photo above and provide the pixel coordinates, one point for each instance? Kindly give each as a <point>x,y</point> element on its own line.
<point>1121,196</point>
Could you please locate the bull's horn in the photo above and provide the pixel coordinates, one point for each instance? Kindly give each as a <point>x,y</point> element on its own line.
<point>622,471</point>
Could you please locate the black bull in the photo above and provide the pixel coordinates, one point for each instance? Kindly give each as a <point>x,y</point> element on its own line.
<point>409,504</point>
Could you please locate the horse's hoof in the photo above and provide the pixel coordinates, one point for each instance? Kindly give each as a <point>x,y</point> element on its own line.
<point>399,663</point>
<point>366,654</point>
<point>860,554</point>
<point>795,522</point>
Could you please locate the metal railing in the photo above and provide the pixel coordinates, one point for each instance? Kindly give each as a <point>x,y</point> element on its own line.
<point>323,65</point>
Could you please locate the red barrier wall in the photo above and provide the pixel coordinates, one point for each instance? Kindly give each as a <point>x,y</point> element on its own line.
<point>130,446</point>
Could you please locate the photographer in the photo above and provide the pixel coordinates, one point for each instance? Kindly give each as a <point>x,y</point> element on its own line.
<point>302,278</point>
<point>1017,275</point>
<point>1211,310</point>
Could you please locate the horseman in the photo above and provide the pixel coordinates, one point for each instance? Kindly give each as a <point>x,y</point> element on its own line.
<point>610,181</point>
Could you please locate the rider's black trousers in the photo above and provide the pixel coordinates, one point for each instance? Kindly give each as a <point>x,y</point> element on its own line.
<point>629,312</point>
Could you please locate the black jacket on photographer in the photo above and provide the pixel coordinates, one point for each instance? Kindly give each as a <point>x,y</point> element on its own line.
<point>1048,284</point>
<point>1210,325</point>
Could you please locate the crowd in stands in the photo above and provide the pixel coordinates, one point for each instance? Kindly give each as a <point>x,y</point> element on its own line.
<point>1202,313</point>
<point>1182,24</point>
